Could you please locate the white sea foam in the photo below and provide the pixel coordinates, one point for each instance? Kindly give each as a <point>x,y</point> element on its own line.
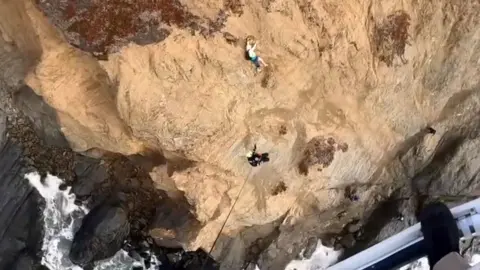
<point>321,258</point>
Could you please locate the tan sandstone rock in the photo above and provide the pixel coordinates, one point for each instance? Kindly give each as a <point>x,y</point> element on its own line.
<point>350,84</point>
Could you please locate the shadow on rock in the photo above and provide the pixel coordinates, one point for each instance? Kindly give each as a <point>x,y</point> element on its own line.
<point>174,224</point>
<point>385,212</point>
<point>103,232</point>
<point>43,117</point>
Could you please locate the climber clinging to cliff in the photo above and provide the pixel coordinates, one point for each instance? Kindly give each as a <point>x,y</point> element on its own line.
<point>250,54</point>
<point>255,158</point>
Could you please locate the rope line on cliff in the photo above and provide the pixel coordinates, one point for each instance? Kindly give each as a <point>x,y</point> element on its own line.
<point>225,222</point>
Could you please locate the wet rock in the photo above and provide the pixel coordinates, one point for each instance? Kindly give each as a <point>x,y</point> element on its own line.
<point>102,233</point>
<point>150,240</point>
<point>89,173</point>
<point>358,234</point>
<point>78,201</point>
<point>142,222</point>
<point>142,250</point>
<point>347,241</point>
<point>145,255</point>
<point>25,261</point>
<point>135,255</point>
<point>338,246</point>
<point>310,247</point>
<point>144,244</point>
<point>20,218</point>
<point>354,226</point>
<point>192,260</point>
<point>175,257</point>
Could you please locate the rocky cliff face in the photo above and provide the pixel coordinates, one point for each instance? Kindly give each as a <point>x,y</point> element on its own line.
<point>342,107</point>
<point>20,237</point>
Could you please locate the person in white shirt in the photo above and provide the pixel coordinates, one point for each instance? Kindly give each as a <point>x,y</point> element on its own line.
<point>256,60</point>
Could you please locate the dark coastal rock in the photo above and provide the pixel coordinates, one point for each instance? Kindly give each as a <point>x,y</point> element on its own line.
<point>42,116</point>
<point>27,261</point>
<point>103,232</point>
<point>196,260</point>
<point>178,259</point>
<point>89,174</point>
<point>20,217</point>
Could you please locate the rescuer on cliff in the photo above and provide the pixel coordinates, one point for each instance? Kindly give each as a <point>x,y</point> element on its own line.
<point>255,158</point>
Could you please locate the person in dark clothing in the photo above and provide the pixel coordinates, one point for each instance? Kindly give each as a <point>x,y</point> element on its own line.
<point>255,158</point>
<point>441,238</point>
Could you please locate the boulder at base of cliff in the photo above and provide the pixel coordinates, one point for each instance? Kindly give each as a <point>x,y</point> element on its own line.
<point>103,231</point>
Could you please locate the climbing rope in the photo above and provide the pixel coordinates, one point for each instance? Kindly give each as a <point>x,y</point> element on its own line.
<point>225,222</point>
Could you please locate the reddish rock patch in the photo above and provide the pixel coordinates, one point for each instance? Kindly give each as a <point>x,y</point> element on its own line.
<point>390,37</point>
<point>107,20</point>
<point>102,27</point>
<point>320,151</point>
